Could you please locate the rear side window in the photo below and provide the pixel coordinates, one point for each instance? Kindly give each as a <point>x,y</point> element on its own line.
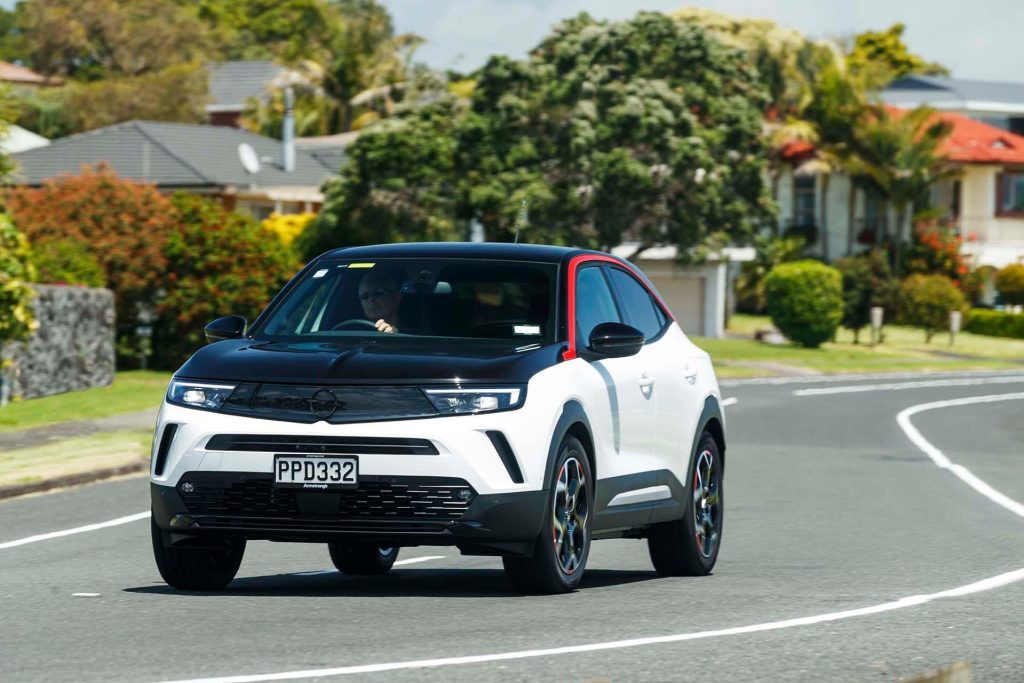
<point>594,303</point>
<point>636,304</point>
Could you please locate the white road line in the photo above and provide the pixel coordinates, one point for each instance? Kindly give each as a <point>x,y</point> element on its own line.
<point>85,595</point>
<point>77,530</point>
<point>923,384</point>
<point>903,419</point>
<point>940,459</point>
<point>730,401</point>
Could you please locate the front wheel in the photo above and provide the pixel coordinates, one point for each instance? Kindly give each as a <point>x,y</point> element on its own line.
<point>201,569</point>
<point>689,546</point>
<point>361,558</point>
<point>560,552</point>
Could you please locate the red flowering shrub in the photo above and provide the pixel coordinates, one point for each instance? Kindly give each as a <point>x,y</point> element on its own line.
<point>218,263</point>
<point>935,250</point>
<point>121,223</point>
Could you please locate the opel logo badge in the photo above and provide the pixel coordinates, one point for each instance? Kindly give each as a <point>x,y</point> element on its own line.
<point>323,403</point>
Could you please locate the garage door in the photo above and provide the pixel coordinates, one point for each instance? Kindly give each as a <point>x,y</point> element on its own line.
<point>685,296</point>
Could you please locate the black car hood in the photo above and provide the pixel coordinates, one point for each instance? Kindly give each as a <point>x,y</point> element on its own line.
<point>391,362</point>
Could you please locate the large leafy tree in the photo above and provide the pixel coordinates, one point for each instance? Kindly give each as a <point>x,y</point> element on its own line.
<point>646,130</point>
<point>882,56</point>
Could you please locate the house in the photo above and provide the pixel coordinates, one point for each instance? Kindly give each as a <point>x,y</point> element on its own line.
<point>16,139</point>
<point>997,104</point>
<point>984,205</point>
<point>19,76</point>
<point>232,84</point>
<point>245,171</point>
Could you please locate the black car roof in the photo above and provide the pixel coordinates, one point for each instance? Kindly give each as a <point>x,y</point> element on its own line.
<point>482,250</point>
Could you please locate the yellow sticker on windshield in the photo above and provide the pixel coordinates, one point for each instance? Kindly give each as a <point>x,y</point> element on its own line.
<point>361,265</point>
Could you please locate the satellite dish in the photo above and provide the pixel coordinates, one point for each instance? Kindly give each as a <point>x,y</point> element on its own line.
<point>247,155</point>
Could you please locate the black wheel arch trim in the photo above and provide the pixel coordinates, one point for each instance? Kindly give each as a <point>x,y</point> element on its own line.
<point>712,421</point>
<point>572,414</point>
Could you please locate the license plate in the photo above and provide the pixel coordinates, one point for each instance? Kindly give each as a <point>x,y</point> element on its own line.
<point>315,472</point>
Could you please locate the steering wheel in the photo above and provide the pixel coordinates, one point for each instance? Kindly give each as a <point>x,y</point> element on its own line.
<point>355,324</point>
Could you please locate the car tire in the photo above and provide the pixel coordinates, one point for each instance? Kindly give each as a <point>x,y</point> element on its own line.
<point>198,569</point>
<point>689,546</point>
<point>362,559</point>
<point>560,552</point>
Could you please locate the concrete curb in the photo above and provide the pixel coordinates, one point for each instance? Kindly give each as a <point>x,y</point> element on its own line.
<point>15,490</point>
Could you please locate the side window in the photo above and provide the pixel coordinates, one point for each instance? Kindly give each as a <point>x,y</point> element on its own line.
<point>636,303</point>
<point>594,303</point>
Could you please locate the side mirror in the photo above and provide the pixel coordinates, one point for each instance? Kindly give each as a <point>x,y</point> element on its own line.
<point>615,340</point>
<point>228,327</point>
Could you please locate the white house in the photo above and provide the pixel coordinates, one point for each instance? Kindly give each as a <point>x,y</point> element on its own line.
<point>985,205</point>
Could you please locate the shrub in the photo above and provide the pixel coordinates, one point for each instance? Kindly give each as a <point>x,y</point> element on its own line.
<point>16,271</point>
<point>218,263</point>
<point>1010,283</point>
<point>769,252</point>
<point>934,250</point>
<point>926,301</point>
<point>123,224</point>
<point>805,301</point>
<point>288,226</point>
<point>867,282</point>
<point>977,282</point>
<point>68,263</point>
<point>996,324</point>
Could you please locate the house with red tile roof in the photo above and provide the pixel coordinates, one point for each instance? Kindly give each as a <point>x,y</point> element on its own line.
<point>985,204</point>
<point>18,75</point>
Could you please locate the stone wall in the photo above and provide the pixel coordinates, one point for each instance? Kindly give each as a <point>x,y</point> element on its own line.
<point>72,349</point>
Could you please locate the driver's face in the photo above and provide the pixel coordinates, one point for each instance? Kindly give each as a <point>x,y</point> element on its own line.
<point>379,300</point>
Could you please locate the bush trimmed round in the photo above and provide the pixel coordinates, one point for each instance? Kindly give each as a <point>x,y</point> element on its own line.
<point>927,300</point>
<point>805,301</point>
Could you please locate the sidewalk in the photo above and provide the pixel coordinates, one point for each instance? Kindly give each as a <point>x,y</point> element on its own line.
<point>32,460</point>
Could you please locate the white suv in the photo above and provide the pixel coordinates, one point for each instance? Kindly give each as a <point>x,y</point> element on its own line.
<point>512,400</point>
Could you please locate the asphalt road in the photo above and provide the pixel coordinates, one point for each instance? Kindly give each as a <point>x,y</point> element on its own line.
<point>830,507</point>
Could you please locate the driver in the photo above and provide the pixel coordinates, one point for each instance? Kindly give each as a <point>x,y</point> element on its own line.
<point>379,293</point>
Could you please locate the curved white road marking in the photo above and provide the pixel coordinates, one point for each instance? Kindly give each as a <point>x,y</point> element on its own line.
<point>923,384</point>
<point>77,530</point>
<point>903,419</point>
<point>940,459</point>
<point>731,401</point>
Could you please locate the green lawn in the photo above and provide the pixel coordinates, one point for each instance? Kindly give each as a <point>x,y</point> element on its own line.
<point>132,390</point>
<point>904,349</point>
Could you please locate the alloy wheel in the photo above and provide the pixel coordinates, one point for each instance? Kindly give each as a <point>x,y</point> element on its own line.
<point>570,514</point>
<point>706,502</point>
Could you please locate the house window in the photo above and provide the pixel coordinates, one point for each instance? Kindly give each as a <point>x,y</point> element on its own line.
<point>1010,194</point>
<point>803,199</point>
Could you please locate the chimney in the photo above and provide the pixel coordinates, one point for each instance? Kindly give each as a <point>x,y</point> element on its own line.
<point>288,132</point>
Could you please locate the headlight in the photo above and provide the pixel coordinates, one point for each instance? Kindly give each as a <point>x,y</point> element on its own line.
<point>197,395</point>
<point>456,401</point>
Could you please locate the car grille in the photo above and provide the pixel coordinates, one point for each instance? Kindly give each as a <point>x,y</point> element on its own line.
<point>342,445</point>
<point>420,498</point>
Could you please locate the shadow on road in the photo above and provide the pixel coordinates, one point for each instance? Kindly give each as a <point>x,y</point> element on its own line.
<point>452,583</point>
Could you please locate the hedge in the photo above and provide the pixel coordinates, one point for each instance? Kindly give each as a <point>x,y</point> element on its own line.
<point>996,324</point>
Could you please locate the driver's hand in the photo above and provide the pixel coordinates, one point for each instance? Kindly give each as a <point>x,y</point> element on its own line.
<point>385,327</point>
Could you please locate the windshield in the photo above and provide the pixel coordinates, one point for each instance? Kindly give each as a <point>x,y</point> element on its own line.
<point>418,299</point>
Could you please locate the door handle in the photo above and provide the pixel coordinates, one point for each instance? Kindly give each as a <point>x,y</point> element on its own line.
<point>690,374</point>
<point>645,381</point>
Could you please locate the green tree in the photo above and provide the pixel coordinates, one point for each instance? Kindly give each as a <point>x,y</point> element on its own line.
<point>92,39</point>
<point>646,129</point>
<point>398,185</point>
<point>882,56</point>
<point>769,251</point>
<point>16,272</point>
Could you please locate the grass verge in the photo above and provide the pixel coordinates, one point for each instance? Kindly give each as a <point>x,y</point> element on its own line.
<point>904,350</point>
<point>132,390</point>
<point>73,456</point>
